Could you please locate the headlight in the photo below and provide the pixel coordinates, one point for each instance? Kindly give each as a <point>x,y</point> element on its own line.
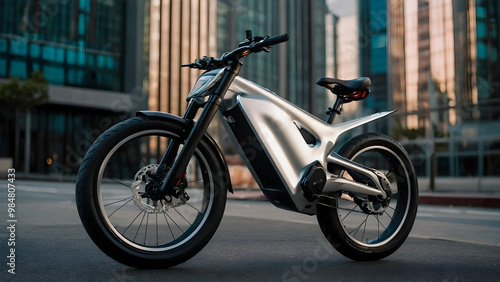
<point>204,83</point>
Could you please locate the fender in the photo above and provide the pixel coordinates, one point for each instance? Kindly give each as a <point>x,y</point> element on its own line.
<point>348,125</point>
<point>207,138</point>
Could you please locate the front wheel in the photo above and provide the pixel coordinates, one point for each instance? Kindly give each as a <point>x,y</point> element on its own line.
<point>364,228</point>
<point>120,217</point>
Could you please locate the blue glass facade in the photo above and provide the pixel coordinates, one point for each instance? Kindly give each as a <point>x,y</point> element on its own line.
<point>74,43</point>
<point>488,52</point>
<point>378,36</point>
<point>80,46</point>
<point>374,63</point>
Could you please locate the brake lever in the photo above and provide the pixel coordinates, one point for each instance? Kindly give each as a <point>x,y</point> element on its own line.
<point>257,40</point>
<point>191,65</point>
<point>205,63</point>
<point>250,41</point>
<point>245,43</point>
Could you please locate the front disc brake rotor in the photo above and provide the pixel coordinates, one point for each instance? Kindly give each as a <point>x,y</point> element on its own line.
<point>146,203</point>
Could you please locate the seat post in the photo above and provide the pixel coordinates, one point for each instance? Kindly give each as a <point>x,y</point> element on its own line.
<point>336,109</point>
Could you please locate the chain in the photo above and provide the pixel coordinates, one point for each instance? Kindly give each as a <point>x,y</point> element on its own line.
<point>334,207</point>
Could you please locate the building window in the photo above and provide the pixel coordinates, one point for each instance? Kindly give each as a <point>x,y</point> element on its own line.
<point>62,38</point>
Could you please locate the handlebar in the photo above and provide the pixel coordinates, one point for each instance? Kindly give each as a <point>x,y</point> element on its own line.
<point>270,41</point>
<point>254,47</point>
<point>250,46</point>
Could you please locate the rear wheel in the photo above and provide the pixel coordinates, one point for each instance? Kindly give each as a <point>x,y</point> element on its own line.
<point>364,228</point>
<point>126,223</point>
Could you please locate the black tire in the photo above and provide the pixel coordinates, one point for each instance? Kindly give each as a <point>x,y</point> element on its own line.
<point>370,234</point>
<point>131,229</point>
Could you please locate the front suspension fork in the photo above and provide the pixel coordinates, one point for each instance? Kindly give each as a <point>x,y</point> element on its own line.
<point>178,164</point>
<point>170,155</point>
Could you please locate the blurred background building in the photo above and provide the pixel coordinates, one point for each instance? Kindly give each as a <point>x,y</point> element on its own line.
<point>92,54</point>
<point>435,61</point>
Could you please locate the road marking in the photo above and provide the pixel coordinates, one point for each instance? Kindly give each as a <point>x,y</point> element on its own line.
<point>452,240</point>
<point>486,213</point>
<point>39,189</point>
<point>301,221</point>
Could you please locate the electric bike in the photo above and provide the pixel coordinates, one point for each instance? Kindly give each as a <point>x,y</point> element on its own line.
<point>151,190</point>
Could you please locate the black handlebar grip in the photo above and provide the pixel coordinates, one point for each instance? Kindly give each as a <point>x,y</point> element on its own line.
<point>275,40</point>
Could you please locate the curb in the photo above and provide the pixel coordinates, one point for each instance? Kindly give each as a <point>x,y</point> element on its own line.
<point>441,199</point>
<point>465,200</point>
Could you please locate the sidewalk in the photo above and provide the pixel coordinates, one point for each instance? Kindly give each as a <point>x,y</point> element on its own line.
<point>482,200</point>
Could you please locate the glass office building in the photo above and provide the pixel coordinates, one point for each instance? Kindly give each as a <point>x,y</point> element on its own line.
<point>74,43</point>
<point>359,47</point>
<point>290,69</point>
<point>436,62</point>
<point>91,53</point>
<point>181,31</point>
<point>451,92</point>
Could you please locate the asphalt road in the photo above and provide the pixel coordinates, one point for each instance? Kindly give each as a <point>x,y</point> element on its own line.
<point>255,242</point>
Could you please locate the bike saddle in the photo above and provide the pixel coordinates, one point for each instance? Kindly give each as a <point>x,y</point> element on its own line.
<point>358,84</point>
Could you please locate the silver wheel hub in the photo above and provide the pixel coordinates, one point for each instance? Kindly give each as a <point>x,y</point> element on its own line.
<point>144,203</point>
<point>375,208</point>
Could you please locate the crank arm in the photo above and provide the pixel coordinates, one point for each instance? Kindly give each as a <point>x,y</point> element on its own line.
<point>374,176</point>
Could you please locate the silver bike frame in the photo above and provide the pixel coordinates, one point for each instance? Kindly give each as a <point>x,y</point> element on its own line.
<point>265,129</point>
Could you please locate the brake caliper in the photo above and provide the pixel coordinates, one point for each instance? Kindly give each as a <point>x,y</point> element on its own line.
<point>149,200</point>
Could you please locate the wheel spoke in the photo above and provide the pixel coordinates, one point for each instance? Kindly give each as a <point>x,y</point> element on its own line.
<point>173,221</point>
<point>182,216</point>
<point>355,230</point>
<point>391,218</point>
<point>140,225</point>
<point>156,227</point>
<point>146,231</point>
<point>132,221</point>
<point>169,227</point>
<point>120,207</point>
<point>138,151</point>
<point>196,209</point>
<point>119,182</point>
<point>364,228</point>
<point>345,216</point>
<point>119,201</point>
<point>125,165</point>
<point>380,223</point>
